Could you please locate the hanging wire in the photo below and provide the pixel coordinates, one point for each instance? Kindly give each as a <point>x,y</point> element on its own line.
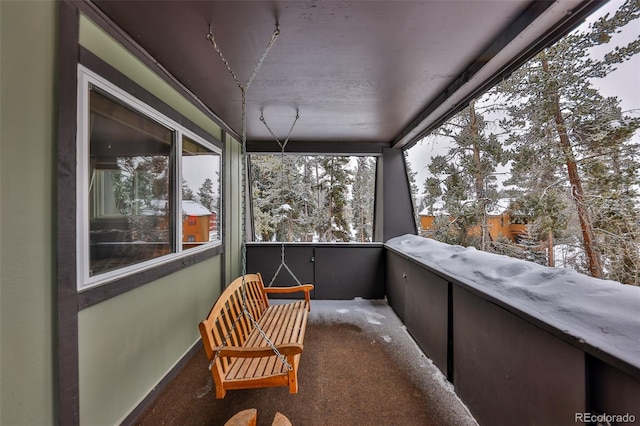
<point>243,89</point>
<point>282,145</point>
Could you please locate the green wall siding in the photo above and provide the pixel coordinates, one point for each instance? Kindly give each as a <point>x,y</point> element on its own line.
<point>27,200</point>
<point>125,344</point>
<point>106,48</point>
<point>129,342</point>
<point>233,209</point>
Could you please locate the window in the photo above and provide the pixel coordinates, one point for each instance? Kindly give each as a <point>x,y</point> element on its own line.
<point>313,198</point>
<point>131,212</point>
<point>200,194</point>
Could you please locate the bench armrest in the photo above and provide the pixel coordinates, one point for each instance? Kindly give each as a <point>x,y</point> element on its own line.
<point>287,349</point>
<point>293,289</point>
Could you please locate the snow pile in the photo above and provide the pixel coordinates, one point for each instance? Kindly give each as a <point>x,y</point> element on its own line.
<point>603,314</point>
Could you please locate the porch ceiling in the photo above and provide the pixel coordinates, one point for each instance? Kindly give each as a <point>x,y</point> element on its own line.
<point>360,73</point>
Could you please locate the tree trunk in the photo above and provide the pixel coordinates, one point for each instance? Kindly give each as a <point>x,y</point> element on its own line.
<point>477,174</point>
<point>550,253</point>
<point>595,267</point>
<point>330,205</point>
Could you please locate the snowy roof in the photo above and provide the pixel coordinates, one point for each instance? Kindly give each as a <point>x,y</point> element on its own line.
<point>603,314</point>
<point>501,206</point>
<point>191,208</point>
<point>438,208</point>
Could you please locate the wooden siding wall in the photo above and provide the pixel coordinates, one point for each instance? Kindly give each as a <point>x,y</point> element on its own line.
<point>27,199</point>
<point>117,348</point>
<point>232,208</point>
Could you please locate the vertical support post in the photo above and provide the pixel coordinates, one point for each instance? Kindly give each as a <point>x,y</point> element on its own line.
<point>394,207</point>
<point>67,373</point>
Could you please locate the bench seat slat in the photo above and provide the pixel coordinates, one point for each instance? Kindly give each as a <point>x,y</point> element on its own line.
<point>275,322</point>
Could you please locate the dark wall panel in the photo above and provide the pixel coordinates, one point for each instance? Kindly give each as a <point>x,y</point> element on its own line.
<point>612,391</point>
<point>396,285</point>
<point>397,217</point>
<point>267,258</point>
<point>346,272</point>
<point>420,299</point>
<point>510,372</point>
<point>427,313</point>
<point>338,271</point>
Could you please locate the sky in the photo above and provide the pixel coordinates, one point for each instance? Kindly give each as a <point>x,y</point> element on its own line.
<point>623,83</point>
<point>195,169</point>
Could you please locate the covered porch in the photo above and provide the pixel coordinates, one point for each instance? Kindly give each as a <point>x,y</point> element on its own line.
<point>438,334</point>
<point>80,346</point>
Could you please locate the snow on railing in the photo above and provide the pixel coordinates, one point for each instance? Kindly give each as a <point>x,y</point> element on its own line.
<point>603,314</point>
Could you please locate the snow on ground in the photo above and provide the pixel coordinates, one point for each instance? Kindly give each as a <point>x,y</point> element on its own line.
<point>604,314</point>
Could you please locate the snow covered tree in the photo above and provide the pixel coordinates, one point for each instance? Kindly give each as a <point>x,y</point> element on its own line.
<point>302,198</point>
<point>266,195</point>
<point>432,192</point>
<point>205,194</point>
<point>307,189</point>
<point>139,181</point>
<point>413,186</point>
<point>187,193</point>
<point>466,176</point>
<point>574,135</point>
<point>362,199</point>
<point>334,181</point>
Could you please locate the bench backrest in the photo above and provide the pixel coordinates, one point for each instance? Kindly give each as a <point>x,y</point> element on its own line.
<point>226,321</point>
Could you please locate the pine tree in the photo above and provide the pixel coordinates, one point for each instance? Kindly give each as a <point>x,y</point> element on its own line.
<point>205,194</point>
<point>290,199</point>
<point>466,177</point>
<point>265,194</point>
<point>139,181</point>
<point>308,206</point>
<point>362,199</point>
<point>432,192</point>
<point>565,134</point>
<point>334,181</point>
<point>413,186</point>
<point>295,198</point>
<point>187,193</point>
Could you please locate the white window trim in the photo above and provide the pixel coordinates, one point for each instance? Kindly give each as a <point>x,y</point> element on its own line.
<point>86,79</point>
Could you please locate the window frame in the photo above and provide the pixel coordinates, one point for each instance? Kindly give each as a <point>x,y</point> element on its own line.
<point>86,79</point>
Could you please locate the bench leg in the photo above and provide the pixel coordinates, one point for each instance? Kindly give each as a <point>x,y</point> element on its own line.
<point>293,381</point>
<point>220,392</point>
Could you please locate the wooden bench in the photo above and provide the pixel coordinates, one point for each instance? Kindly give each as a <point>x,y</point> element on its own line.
<point>239,356</point>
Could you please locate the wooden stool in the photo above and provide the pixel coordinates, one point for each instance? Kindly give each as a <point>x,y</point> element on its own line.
<point>249,417</point>
<point>280,420</point>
